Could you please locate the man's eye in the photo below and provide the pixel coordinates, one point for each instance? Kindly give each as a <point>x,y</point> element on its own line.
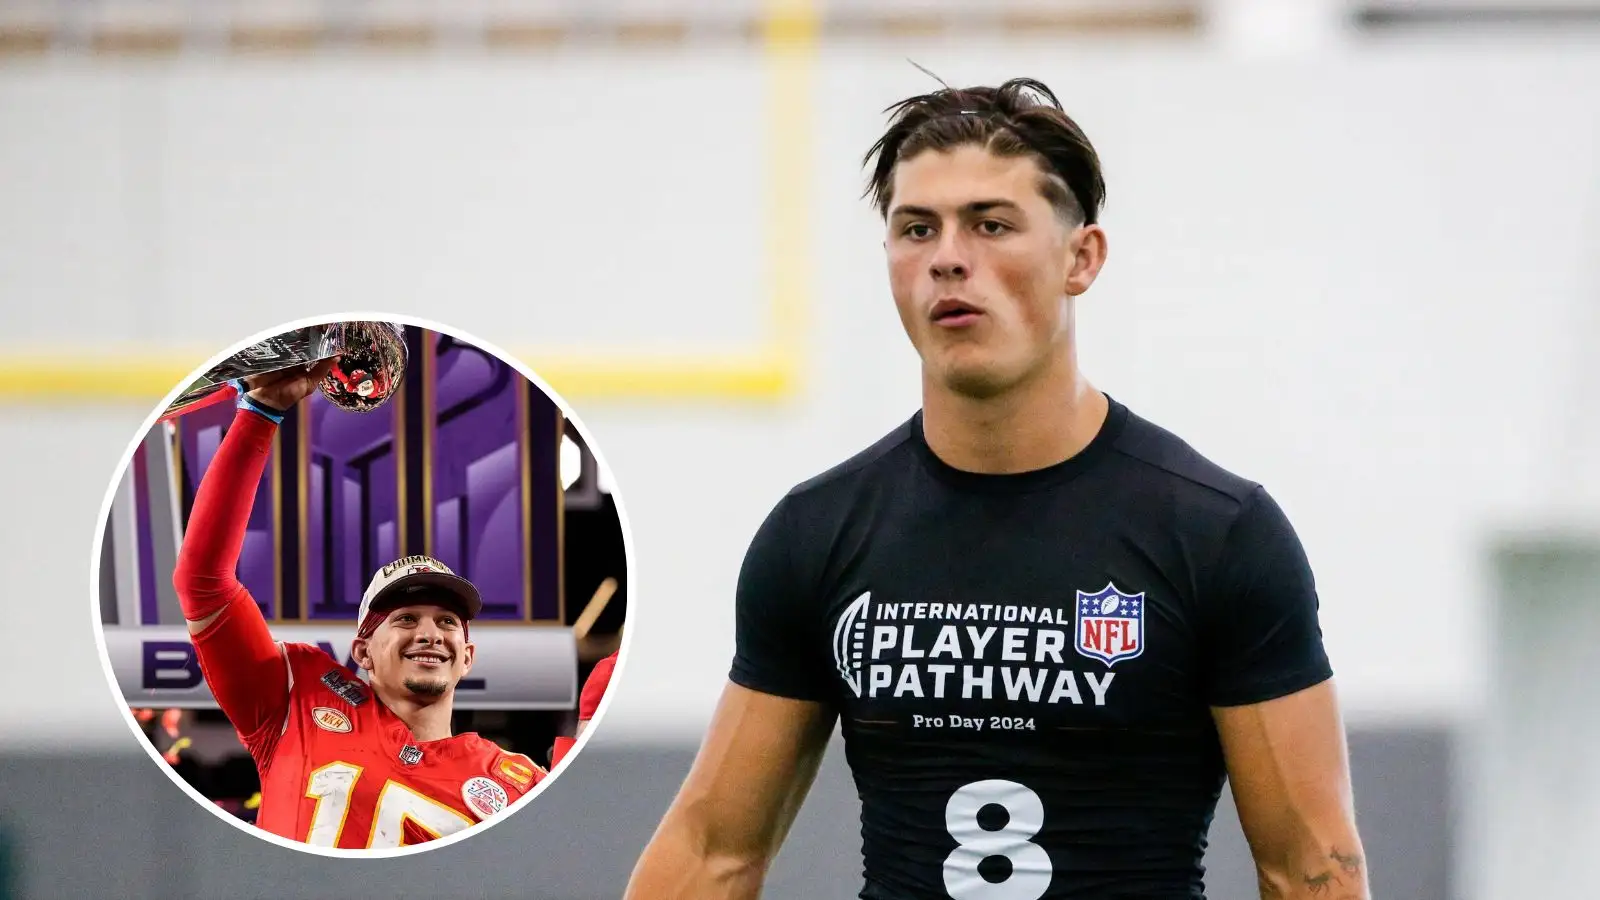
<point>992,228</point>
<point>917,230</point>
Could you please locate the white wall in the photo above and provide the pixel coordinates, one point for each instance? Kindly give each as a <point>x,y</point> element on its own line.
<point>1534,785</point>
<point>1359,280</point>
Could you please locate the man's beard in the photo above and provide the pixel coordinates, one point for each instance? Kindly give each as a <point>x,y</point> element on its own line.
<point>427,688</point>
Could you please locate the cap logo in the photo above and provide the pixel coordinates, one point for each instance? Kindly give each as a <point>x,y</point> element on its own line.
<point>406,562</point>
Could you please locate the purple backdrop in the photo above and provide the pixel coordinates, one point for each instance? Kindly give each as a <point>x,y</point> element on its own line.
<point>461,465</point>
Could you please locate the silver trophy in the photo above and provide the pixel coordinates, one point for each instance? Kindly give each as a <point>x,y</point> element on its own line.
<point>370,365</point>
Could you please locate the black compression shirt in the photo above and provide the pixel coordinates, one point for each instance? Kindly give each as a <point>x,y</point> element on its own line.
<point>1024,665</point>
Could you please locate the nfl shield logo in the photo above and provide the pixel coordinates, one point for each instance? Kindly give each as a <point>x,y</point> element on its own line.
<point>1110,624</point>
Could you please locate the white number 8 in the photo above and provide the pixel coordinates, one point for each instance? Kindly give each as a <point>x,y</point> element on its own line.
<point>1030,864</point>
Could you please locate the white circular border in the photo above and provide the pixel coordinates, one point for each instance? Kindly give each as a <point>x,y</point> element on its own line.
<point>99,631</point>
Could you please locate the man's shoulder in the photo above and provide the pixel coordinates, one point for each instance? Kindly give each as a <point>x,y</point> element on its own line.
<point>862,466</point>
<point>1174,459</point>
<point>516,771</point>
<point>811,509</point>
<point>312,671</point>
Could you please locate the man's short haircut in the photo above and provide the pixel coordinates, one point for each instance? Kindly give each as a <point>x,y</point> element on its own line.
<point>1021,117</point>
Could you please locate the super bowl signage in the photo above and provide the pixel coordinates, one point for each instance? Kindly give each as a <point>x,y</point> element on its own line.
<point>513,667</point>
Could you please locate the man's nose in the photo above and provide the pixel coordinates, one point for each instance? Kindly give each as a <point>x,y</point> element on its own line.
<point>949,258</point>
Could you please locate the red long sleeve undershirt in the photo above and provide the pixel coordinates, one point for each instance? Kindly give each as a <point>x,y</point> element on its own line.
<point>241,663</point>
<point>224,393</point>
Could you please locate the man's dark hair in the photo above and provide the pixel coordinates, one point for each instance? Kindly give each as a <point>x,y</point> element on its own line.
<point>1021,117</point>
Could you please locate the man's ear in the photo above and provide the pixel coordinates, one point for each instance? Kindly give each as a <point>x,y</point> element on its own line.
<point>361,654</point>
<point>1088,249</point>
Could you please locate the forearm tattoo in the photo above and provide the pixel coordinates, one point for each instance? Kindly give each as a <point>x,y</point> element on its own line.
<point>1345,881</point>
<point>1349,863</point>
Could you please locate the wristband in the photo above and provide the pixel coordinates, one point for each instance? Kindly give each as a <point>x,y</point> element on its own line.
<point>245,401</point>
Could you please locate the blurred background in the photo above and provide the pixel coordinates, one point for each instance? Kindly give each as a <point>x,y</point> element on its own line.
<point>462,463</point>
<point>1353,257</point>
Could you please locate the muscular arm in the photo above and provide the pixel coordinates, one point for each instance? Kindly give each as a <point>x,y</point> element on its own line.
<point>1290,774</point>
<point>734,810</point>
<point>242,665</point>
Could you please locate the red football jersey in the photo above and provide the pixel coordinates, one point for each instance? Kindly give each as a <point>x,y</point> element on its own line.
<point>338,768</point>
<point>344,771</point>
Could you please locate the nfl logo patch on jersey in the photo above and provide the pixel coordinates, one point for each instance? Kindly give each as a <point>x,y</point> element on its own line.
<point>410,754</point>
<point>483,796</point>
<point>329,719</point>
<point>1110,624</point>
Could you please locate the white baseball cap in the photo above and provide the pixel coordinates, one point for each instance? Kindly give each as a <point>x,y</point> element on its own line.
<point>418,573</point>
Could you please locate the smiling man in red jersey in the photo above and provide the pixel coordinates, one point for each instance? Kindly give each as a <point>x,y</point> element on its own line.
<point>348,759</point>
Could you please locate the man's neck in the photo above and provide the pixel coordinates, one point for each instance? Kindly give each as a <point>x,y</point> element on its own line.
<point>1041,422</point>
<point>428,721</point>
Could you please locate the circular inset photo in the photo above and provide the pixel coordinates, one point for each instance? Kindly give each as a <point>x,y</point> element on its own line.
<point>361,585</point>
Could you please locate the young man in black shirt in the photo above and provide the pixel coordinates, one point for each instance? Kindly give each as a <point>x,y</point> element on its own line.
<point>1047,628</point>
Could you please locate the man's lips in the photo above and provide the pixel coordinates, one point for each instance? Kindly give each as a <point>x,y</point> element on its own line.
<point>951,312</point>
